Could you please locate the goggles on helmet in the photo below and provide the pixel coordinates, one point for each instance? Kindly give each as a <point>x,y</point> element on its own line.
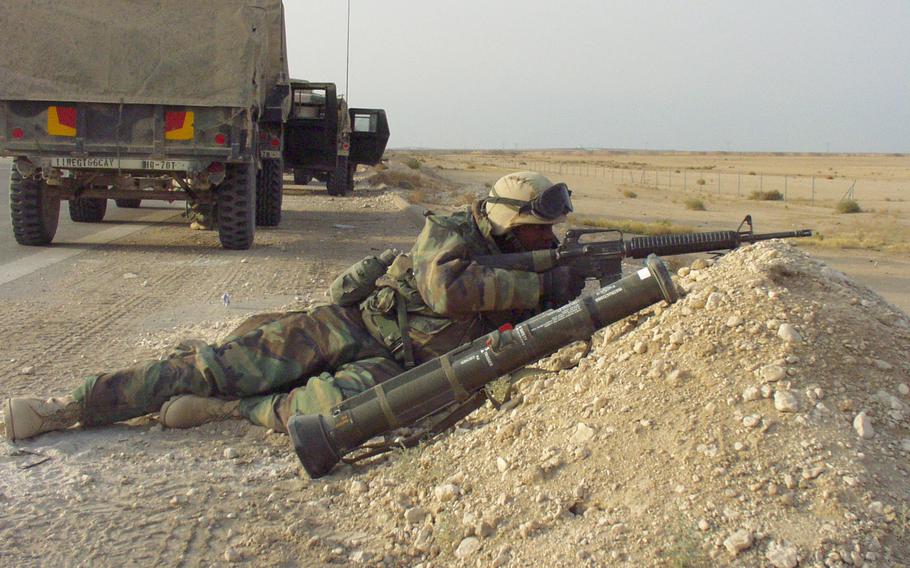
<point>551,203</point>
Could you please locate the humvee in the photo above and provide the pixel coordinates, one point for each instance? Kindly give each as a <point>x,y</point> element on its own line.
<point>326,140</point>
<point>167,100</point>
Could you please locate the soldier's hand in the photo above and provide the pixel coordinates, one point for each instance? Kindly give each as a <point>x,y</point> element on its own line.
<point>561,285</point>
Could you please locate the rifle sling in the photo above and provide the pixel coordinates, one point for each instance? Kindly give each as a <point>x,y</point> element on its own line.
<point>407,348</point>
<point>387,409</point>
<point>461,394</point>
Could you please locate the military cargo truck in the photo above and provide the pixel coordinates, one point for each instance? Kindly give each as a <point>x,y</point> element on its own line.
<point>327,140</point>
<point>131,100</point>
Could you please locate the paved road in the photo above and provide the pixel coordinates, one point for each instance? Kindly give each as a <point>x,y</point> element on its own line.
<point>72,238</point>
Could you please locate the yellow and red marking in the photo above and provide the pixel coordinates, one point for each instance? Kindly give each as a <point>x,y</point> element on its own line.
<point>178,125</point>
<point>61,121</point>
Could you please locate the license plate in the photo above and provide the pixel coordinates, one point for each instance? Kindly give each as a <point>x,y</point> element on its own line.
<point>99,163</point>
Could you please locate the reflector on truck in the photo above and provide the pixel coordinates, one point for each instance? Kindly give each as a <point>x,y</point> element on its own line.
<point>61,121</point>
<point>178,125</point>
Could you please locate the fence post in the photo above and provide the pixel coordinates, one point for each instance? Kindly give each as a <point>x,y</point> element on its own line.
<point>739,183</point>
<point>785,188</point>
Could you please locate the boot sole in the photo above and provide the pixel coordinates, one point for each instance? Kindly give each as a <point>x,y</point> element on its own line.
<point>8,432</point>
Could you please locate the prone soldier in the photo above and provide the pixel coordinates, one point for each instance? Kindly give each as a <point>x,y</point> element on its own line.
<point>274,366</point>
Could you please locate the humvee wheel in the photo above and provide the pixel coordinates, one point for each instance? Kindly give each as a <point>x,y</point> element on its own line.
<point>341,181</point>
<point>87,209</point>
<point>269,184</point>
<point>35,212</point>
<point>128,203</point>
<point>236,206</point>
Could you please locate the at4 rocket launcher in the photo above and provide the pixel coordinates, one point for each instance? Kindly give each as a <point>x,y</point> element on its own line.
<point>603,259</point>
<point>459,376</point>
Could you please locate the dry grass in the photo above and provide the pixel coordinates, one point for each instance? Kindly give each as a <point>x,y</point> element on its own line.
<point>847,206</point>
<point>634,227</point>
<point>856,240</point>
<point>772,195</point>
<point>694,204</point>
<point>403,180</point>
<point>412,163</point>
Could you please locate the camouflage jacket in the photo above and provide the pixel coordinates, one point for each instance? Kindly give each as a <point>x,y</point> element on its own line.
<point>450,299</point>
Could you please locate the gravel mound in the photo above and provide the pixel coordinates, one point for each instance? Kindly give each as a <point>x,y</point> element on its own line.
<point>760,421</point>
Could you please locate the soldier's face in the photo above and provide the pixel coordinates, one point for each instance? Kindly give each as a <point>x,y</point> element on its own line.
<point>536,237</point>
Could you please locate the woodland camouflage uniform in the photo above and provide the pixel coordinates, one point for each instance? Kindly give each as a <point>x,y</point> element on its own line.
<point>284,363</point>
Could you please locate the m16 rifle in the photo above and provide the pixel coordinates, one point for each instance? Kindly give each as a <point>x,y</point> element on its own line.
<point>603,259</point>
<point>456,380</point>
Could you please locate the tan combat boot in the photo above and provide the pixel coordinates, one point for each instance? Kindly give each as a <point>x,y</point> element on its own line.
<point>189,410</point>
<point>27,417</point>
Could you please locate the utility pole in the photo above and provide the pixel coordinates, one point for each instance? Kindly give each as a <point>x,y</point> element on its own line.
<point>347,57</point>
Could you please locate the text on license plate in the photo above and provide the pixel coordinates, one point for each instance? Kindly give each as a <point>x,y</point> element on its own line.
<point>120,164</point>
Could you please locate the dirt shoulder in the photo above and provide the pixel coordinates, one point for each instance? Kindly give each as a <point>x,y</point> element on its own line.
<point>134,494</point>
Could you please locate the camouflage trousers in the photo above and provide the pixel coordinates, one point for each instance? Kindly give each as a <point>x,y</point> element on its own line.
<point>276,364</point>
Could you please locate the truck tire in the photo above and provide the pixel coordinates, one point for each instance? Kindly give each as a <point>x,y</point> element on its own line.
<point>302,177</point>
<point>236,207</point>
<point>269,186</point>
<point>88,209</point>
<point>128,203</point>
<point>34,211</point>
<point>341,181</point>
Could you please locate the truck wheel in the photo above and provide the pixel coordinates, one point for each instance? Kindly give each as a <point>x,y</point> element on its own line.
<point>236,207</point>
<point>88,209</point>
<point>269,184</point>
<point>301,177</point>
<point>128,203</point>
<point>341,181</point>
<point>34,211</point>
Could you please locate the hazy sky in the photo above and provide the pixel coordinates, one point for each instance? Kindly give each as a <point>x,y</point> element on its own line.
<point>699,75</point>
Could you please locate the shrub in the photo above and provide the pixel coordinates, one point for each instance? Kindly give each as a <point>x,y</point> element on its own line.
<point>752,173</point>
<point>700,181</point>
<point>847,206</point>
<point>412,163</point>
<point>694,204</point>
<point>772,195</point>
<point>630,194</point>
<point>416,196</point>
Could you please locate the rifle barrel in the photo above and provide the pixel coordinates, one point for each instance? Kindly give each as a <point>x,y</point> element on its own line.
<point>685,243</point>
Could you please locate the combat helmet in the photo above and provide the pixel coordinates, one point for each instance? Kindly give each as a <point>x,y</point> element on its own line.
<point>526,198</point>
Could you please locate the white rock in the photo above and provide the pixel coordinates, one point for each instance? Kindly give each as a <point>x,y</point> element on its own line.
<point>882,365</point>
<point>415,515</point>
<point>583,433</point>
<point>782,555</point>
<point>446,492</point>
<point>773,373</point>
<point>27,370</point>
<point>640,347</point>
<point>501,464</point>
<point>785,401</point>
<point>751,393</point>
<point>752,420</point>
<point>738,541</point>
<point>863,425</point>
<point>358,487</point>
<point>230,453</point>
<point>905,444</point>
<point>715,300</point>
<point>231,554</point>
<point>468,547</point>
<point>788,333</point>
<point>903,389</point>
<point>683,272</point>
<point>734,321</point>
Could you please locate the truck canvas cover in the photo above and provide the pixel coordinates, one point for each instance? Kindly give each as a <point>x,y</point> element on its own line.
<point>224,53</point>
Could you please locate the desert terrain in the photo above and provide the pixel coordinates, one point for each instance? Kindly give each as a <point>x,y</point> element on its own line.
<point>762,420</point>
